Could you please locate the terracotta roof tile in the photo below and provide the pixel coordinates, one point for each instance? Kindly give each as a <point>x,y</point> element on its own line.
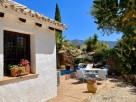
<point>24,10</point>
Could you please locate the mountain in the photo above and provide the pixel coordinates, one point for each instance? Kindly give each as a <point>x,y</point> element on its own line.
<point>111,43</point>
<point>77,42</point>
<point>82,42</point>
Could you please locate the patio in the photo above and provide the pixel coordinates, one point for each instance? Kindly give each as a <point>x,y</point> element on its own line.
<point>73,90</point>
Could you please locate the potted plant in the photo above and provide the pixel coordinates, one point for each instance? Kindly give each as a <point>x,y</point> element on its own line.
<point>16,70</point>
<point>23,68</point>
<point>25,63</point>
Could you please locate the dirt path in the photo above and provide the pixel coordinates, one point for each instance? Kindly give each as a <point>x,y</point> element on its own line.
<point>115,91</point>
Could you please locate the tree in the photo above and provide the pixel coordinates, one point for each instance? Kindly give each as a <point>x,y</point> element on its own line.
<point>57,14</point>
<point>114,15</point>
<point>119,16</point>
<point>58,34</point>
<point>91,43</point>
<point>126,52</point>
<point>94,41</point>
<point>88,43</point>
<point>100,51</point>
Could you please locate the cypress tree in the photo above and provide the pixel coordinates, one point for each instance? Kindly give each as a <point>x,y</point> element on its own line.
<point>58,34</point>
<point>57,13</point>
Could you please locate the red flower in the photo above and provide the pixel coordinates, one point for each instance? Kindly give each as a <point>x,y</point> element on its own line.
<point>23,62</point>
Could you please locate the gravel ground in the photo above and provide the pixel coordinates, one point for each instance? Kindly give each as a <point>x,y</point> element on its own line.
<point>115,91</point>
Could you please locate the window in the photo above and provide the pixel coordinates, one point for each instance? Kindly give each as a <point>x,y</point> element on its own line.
<point>16,47</point>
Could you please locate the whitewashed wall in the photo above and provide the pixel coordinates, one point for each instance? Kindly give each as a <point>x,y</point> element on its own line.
<point>43,61</point>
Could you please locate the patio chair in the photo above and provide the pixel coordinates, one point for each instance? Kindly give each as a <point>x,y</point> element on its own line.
<point>106,67</point>
<point>89,66</point>
<point>101,75</point>
<point>82,75</point>
<point>81,65</point>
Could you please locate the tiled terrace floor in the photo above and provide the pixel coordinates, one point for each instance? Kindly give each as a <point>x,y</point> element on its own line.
<point>72,90</point>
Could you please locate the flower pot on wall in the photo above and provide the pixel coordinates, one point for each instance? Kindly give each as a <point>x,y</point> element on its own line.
<point>18,70</point>
<point>23,71</point>
<point>27,68</point>
<point>14,72</point>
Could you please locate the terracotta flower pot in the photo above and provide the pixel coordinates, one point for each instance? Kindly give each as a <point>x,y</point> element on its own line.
<point>14,72</point>
<point>92,86</point>
<point>27,68</point>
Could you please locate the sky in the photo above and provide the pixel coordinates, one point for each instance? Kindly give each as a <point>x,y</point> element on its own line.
<point>74,14</point>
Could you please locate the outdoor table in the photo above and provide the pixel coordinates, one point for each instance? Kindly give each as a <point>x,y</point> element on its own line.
<point>95,70</point>
<point>92,69</point>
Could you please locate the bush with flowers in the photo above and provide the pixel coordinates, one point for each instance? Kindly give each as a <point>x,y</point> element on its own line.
<point>25,63</point>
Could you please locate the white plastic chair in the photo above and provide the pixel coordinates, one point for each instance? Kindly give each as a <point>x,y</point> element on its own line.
<point>101,74</point>
<point>89,66</point>
<point>81,75</point>
<point>81,65</point>
<point>106,67</point>
<point>106,71</point>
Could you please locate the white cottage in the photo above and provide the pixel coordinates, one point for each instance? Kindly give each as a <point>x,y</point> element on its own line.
<point>27,34</point>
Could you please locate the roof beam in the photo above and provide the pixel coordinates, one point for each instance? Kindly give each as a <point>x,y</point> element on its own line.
<point>22,20</point>
<point>38,24</point>
<point>51,28</point>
